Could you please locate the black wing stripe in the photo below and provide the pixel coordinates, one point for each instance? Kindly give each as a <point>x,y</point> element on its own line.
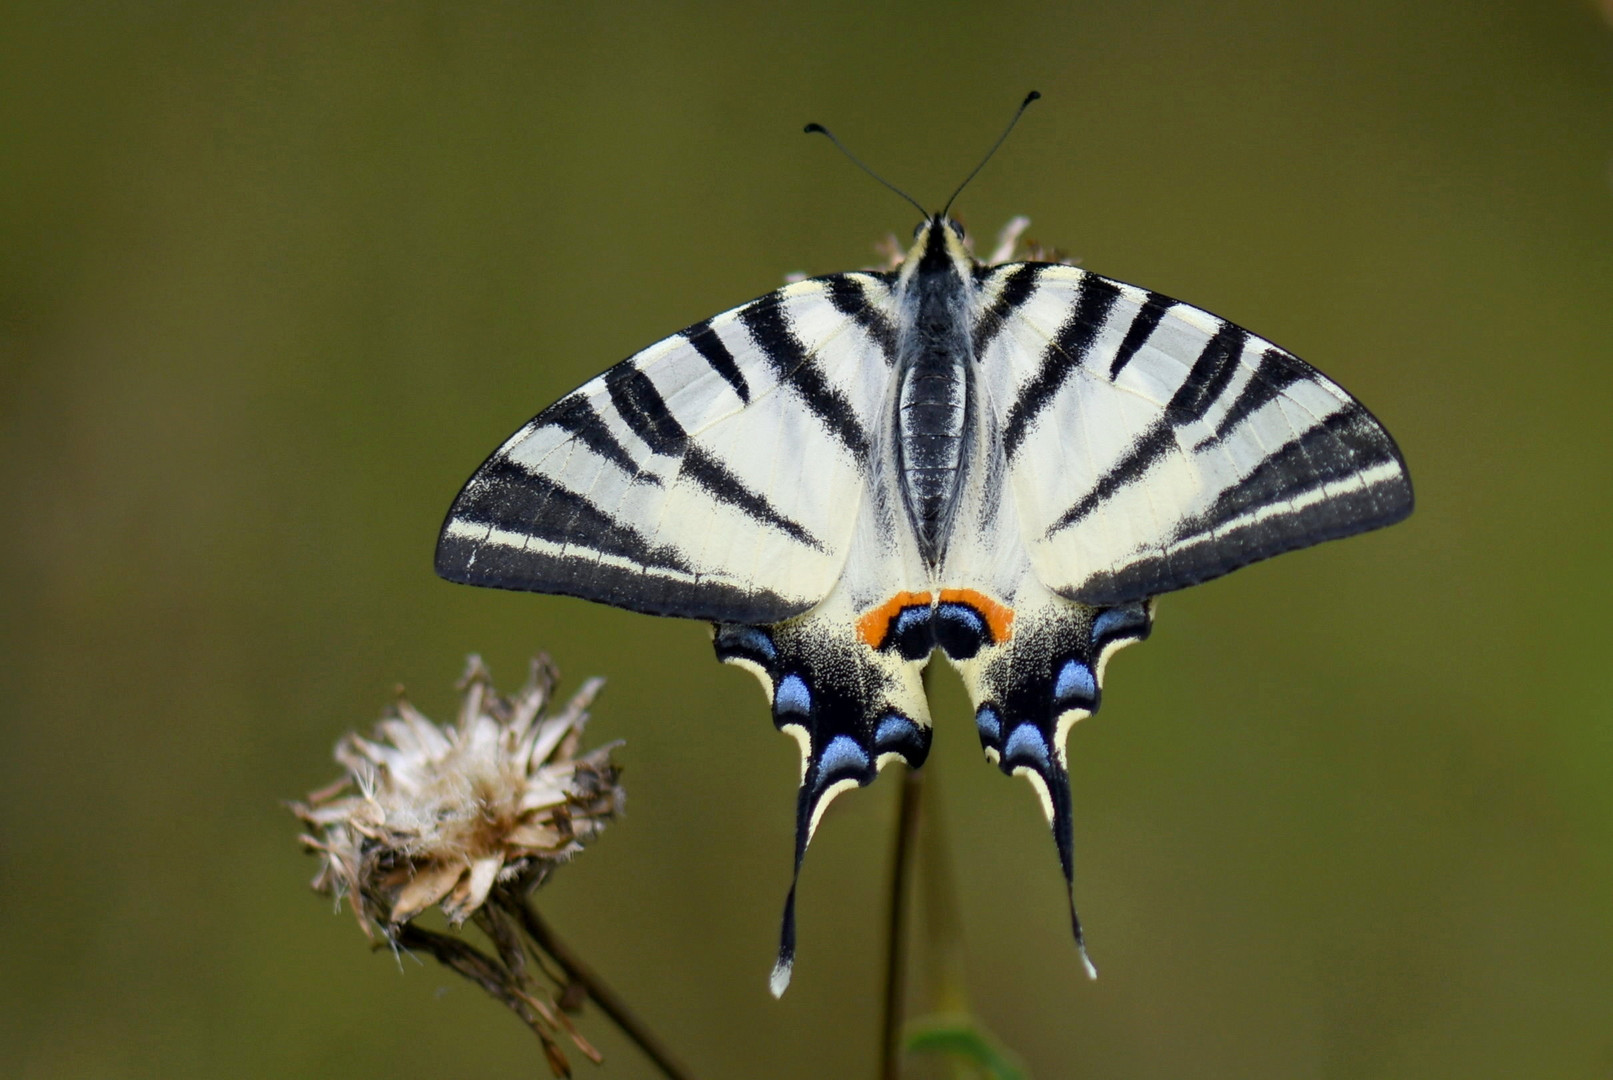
<point>1275,372</point>
<point>643,409</point>
<point>1229,535</point>
<point>1141,329</point>
<point>466,559</point>
<point>1138,459</point>
<point>575,415</point>
<point>1063,355</point>
<point>507,497</point>
<point>711,474</point>
<point>714,352</point>
<point>787,356</point>
<point>1017,287</point>
<point>1206,380</point>
<point>850,298</point>
<point>1208,377</point>
<point>1339,446</point>
<point>1344,444</point>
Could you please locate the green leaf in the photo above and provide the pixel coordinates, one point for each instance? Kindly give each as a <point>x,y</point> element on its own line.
<point>961,1037</point>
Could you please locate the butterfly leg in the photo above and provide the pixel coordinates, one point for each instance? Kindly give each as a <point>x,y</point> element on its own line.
<point>852,709</point>
<point>1031,689</point>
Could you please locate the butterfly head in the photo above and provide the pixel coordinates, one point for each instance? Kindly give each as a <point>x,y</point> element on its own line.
<point>938,246</point>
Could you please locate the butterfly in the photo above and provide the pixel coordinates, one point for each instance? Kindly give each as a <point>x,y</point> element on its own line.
<point>1006,463</point>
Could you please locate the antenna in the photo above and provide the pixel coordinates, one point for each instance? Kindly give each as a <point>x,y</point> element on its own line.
<point>819,129</point>
<point>1023,105</point>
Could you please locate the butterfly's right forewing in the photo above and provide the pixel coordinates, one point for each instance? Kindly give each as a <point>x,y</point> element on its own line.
<point>1152,445</point>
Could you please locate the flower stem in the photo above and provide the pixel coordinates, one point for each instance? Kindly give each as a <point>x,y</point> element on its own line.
<point>943,924</point>
<point>603,996</point>
<point>482,970</point>
<point>907,824</point>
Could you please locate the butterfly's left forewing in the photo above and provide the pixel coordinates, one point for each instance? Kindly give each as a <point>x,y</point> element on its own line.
<point>715,475</point>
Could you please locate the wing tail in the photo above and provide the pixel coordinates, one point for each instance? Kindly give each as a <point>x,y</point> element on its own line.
<point>852,709</point>
<point>1031,689</point>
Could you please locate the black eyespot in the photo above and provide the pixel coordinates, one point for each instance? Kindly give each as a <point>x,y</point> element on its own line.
<point>957,230</point>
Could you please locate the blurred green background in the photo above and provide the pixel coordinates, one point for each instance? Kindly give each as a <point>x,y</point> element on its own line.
<point>275,278</point>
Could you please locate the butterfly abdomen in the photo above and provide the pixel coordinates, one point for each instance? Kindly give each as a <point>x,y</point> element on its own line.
<point>934,405</point>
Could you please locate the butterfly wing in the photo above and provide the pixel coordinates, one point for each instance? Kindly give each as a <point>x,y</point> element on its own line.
<point>729,473</point>
<point>715,475</point>
<point>848,686</point>
<point>1131,445</point>
<point>1152,445</point>
<point>852,708</point>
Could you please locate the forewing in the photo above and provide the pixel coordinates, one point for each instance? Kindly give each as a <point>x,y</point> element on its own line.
<point>715,475</point>
<point>1151,445</point>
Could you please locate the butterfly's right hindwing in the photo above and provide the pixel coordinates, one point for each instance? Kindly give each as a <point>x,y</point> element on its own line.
<point>716,475</point>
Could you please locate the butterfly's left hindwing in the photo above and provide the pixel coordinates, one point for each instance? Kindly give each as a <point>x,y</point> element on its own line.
<point>852,708</point>
<point>716,475</point>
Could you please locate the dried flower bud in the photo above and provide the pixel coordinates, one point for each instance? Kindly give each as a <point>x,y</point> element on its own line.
<point>431,814</point>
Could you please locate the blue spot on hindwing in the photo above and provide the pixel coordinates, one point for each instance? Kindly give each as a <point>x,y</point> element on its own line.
<point>792,696</point>
<point>960,630</point>
<point>841,755</point>
<point>1075,684</point>
<point>1120,623</point>
<point>910,633</point>
<point>896,734</point>
<point>894,731</point>
<point>989,724</point>
<point>967,617</point>
<point>910,618</point>
<point>1025,743</point>
<point>750,639</point>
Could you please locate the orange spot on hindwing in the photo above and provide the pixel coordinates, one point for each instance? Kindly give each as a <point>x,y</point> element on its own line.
<point>999,617</point>
<point>877,625</point>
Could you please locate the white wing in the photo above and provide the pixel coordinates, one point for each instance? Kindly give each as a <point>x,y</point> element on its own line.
<point>1130,445</point>
<point>1151,445</point>
<point>715,475</point>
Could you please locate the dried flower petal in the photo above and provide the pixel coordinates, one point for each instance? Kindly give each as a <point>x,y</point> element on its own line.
<point>432,815</point>
<point>425,889</point>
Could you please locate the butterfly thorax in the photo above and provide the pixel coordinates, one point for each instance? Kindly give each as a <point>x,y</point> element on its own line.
<point>934,398</point>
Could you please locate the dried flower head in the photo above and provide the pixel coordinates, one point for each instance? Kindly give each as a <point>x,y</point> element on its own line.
<point>431,814</point>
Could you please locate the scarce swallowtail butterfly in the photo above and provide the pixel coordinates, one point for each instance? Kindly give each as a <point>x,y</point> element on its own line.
<point>1004,462</point>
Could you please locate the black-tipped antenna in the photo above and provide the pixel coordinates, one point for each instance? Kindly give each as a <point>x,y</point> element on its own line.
<point>1023,105</point>
<point>819,129</point>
